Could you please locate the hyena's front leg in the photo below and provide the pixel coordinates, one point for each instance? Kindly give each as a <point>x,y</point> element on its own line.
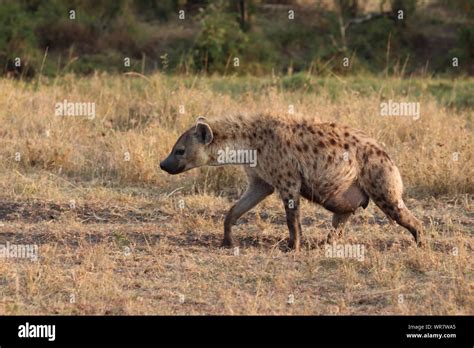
<point>256,192</point>
<point>291,200</point>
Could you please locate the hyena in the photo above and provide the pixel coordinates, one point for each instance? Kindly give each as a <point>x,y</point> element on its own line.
<point>332,165</point>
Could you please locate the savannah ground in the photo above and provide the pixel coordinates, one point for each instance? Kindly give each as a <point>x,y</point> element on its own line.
<point>118,236</point>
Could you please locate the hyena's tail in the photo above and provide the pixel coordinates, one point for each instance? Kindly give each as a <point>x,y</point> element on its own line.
<point>384,186</point>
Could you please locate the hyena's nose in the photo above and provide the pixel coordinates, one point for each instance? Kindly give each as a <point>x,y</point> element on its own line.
<point>162,166</point>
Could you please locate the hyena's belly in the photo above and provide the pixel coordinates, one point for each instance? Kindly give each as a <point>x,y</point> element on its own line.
<point>342,201</point>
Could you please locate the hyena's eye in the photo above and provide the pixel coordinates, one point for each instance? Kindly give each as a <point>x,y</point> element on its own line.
<point>179,152</point>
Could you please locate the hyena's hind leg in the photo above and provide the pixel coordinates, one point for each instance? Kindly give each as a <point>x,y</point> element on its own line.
<point>384,186</point>
<point>338,223</point>
<point>344,205</point>
<point>398,212</point>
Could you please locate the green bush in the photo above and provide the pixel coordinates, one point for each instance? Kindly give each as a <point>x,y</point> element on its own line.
<point>16,30</point>
<point>220,40</point>
<point>104,32</point>
<point>296,82</point>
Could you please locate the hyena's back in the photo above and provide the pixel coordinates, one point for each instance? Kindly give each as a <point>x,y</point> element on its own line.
<point>328,159</point>
<point>332,165</point>
<point>337,167</point>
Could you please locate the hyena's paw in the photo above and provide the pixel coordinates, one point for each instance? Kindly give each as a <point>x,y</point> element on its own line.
<point>227,243</point>
<point>333,236</point>
<point>419,240</point>
<point>292,246</point>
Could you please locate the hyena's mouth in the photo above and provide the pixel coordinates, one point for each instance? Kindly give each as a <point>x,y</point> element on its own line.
<point>171,169</point>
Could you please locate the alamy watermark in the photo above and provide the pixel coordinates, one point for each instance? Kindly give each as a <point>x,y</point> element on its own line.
<point>346,251</point>
<point>393,108</point>
<point>20,251</point>
<point>67,108</point>
<point>37,331</point>
<point>241,156</point>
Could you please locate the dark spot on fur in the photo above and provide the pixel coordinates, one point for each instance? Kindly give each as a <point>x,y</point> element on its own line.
<point>346,146</point>
<point>332,141</point>
<point>346,134</point>
<point>321,144</point>
<point>320,133</point>
<point>305,147</point>
<point>299,148</point>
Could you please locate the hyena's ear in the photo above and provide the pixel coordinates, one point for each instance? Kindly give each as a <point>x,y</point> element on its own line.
<point>204,132</point>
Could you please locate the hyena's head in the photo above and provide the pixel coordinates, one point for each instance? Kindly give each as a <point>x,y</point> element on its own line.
<point>191,149</point>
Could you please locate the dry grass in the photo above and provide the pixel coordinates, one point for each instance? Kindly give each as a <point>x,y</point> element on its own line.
<point>110,233</point>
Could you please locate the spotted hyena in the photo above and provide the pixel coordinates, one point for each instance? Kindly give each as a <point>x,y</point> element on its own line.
<point>333,165</point>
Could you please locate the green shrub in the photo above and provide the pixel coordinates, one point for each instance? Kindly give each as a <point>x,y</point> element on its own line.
<point>220,40</point>
<point>16,30</point>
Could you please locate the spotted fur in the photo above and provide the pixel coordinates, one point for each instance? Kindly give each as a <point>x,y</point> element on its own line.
<point>332,165</point>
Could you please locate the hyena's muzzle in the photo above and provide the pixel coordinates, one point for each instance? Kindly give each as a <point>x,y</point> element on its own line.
<point>172,165</point>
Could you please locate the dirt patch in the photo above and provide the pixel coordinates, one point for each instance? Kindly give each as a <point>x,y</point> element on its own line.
<point>38,211</point>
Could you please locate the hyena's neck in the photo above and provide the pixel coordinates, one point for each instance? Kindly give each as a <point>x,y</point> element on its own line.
<point>229,135</point>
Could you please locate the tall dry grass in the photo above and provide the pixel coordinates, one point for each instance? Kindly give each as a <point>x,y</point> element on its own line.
<point>67,186</point>
<point>139,118</point>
